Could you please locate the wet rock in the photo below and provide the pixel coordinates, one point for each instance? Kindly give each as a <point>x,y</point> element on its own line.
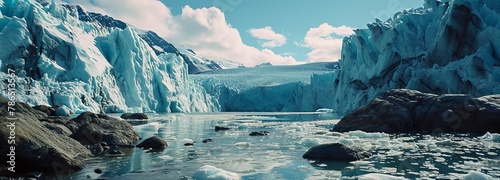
<point>154,142</point>
<point>406,111</point>
<point>221,128</point>
<point>89,128</point>
<point>134,116</point>
<point>336,151</point>
<point>260,133</point>
<point>98,171</point>
<point>58,128</point>
<point>188,144</point>
<point>97,149</point>
<point>115,152</point>
<point>207,141</point>
<point>36,147</point>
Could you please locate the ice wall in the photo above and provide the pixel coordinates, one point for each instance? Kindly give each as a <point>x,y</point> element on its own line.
<point>60,60</point>
<point>444,47</point>
<point>302,88</point>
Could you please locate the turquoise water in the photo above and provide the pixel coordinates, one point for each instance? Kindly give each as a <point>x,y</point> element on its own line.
<point>279,155</point>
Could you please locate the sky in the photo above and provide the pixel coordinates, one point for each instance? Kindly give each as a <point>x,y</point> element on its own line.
<point>253,32</point>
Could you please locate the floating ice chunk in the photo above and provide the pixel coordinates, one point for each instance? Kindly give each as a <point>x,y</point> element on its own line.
<point>166,157</point>
<point>295,128</point>
<point>243,126</point>
<point>208,172</point>
<point>362,134</point>
<point>310,142</point>
<point>242,144</point>
<point>63,111</point>
<point>187,140</point>
<point>378,176</point>
<point>325,110</point>
<point>474,175</point>
<point>492,137</point>
<point>448,142</point>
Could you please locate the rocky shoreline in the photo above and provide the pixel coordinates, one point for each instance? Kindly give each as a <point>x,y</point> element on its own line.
<point>39,141</point>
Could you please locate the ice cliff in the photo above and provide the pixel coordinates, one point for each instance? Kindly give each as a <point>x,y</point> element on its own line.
<point>91,65</point>
<point>444,47</point>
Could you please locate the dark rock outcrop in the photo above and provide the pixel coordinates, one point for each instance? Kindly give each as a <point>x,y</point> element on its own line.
<point>207,141</point>
<point>89,128</point>
<point>260,133</point>
<point>221,128</point>
<point>134,116</point>
<point>36,147</point>
<point>336,151</point>
<point>402,110</point>
<point>154,142</point>
<point>50,111</point>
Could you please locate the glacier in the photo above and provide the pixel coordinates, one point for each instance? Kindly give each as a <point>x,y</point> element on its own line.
<point>297,88</point>
<point>445,47</point>
<point>100,66</point>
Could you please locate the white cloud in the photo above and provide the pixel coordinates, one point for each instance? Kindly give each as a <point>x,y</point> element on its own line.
<point>325,42</point>
<point>271,38</point>
<point>204,30</point>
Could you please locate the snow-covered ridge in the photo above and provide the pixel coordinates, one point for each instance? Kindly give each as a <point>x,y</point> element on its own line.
<point>444,47</point>
<point>88,66</point>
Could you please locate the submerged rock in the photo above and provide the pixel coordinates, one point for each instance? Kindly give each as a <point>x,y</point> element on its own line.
<point>260,133</point>
<point>89,128</point>
<point>36,147</point>
<point>154,142</point>
<point>134,116</point>
<point>221,128</point>
<point>207,141</point>
<point>336,151</point>
<point>403,110</point>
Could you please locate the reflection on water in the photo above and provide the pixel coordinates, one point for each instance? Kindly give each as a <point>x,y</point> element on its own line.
<point>279,155</point>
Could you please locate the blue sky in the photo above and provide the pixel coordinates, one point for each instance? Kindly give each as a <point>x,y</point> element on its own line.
<point>254,31</point>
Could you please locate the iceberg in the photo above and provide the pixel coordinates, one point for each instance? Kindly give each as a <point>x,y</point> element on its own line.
<point>445,47</point>
<point>95,64</point>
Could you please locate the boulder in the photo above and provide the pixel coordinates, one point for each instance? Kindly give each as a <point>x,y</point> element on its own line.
<point>406,111</point>
<point>336,151</point>
<point>154,142</point>
<point>50,111</point>
<point>260,133</point>
<point>89,128</point>
<point>221,128</point>
<point>207,141</point>
<point>134,116</point>
<point>36,147</point>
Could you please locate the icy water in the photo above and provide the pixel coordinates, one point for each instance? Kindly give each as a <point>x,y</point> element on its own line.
<point>279,155</point>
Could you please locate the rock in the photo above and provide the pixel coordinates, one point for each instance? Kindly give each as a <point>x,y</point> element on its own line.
<point>406,111</point>
<point>134,116</point>
<point>97,149</point>
<point>56,119</point>
<point>58,128</point>
<point>115,152</point>
<point>98,171</point>
<point>260,133</point>
<point>36,147</point>
<point>50,111</point>
<point>207,141</point>
<point>89,128</point>
<point>221,128</point>
<point>63,111</point>
<point>336,151</point>
<point>188,144</point>
<point>154,142</point>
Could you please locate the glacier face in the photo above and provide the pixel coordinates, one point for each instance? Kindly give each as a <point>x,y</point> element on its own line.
<point>59,59</point>
<point>444,47</point>
<point>299,88</point>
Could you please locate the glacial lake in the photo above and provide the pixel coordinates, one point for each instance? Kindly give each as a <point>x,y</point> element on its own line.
<point>279,155</point>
